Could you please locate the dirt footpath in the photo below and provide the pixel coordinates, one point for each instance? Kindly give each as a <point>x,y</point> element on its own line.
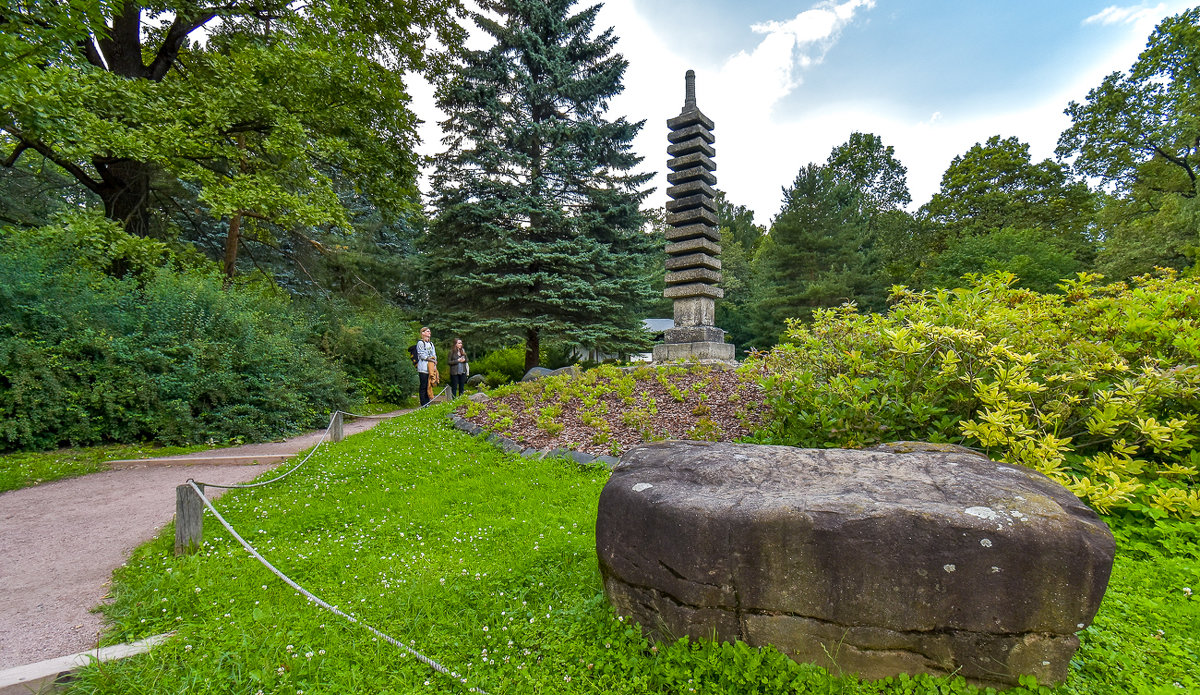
<point>61,541</point>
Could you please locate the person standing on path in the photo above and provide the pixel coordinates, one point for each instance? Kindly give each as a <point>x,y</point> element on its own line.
<point>426,360</point>
<point>459,369</point>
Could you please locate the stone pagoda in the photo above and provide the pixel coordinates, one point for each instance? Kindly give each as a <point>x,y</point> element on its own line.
<point>693,249</point>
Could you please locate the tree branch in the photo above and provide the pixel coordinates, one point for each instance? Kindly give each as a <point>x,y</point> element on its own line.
<point>92,53</point>
<point>70,167</point>
<point>1180,162</point>
<point>180,29</point>
<point>16,154</point>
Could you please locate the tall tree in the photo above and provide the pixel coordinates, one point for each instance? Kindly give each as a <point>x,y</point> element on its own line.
<point>538,233</point>
<point>996,185</point>
<point>1150,115</point>
<point>867,165</point>
<point>814,256</point>
<point>241,105</point>
<point>1139,132</point>
<point>739,221</point>
<point>740,239</point>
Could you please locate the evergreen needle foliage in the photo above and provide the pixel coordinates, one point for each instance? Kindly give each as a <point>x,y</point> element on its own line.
<point>538,232</point>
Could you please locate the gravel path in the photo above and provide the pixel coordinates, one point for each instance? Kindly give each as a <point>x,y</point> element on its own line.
<point>61,541</point>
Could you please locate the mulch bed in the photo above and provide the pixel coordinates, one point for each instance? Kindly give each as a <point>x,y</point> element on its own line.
<point>716,405</point>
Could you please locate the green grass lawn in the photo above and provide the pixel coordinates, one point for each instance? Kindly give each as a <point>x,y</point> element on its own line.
<point>486,563</point>
<point>35,467</point>
<point>27,468</point>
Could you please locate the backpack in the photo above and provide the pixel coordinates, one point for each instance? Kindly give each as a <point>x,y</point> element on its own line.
<point>412,353</point>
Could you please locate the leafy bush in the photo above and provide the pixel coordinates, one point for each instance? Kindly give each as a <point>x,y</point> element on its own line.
<point>1098,387</point>
<point>371,344</point>
<point>501,366</point>
<point>507,365</point>
<point>163,354</point>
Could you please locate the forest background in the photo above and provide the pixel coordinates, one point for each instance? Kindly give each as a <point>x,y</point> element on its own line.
<point>211,228</point>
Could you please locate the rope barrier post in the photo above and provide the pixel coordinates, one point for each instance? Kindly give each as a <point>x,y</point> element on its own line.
<point>335,428</point>
<point>189,518</point>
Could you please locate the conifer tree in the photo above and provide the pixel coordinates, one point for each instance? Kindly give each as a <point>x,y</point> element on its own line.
<point>816,255</point>
<point>538,229</point>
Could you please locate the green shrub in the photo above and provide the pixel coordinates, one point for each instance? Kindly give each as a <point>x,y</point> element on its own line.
<point>371,344</point>
<point>159,354</point>
<point>507,365</point>
<point>501,366</point>
<point>1097,388</point>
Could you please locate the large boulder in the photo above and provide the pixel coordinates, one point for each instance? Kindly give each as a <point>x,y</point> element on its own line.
<point>536,373</point>
<point>871,562</point>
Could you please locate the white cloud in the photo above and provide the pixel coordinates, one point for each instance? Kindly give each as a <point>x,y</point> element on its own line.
<point>1127,15</point>
<point>760,148</point>
<point>757,153</point>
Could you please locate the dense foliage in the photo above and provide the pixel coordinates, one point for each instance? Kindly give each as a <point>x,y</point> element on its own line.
<point>1097,387</point>
<point>816,255</point>
<point>251,109</point>
<point>369,344</point>
<point>165,355</point>
<point>538,234</point>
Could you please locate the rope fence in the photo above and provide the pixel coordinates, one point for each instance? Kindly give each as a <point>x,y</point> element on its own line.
<point>190,503</point>
<point>334,419</point>
<point>323,604</point>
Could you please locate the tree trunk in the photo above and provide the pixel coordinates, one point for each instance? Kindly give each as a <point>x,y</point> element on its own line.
<point>231,246</point>
<point>533,349</point>
<point>125,191</point>
<point>233,239</point>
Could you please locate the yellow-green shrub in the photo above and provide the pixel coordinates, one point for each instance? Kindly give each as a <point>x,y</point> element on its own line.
<point>1098,387</point>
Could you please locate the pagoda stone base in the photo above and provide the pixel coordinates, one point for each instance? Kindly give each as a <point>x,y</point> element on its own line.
<point>694,334</point>
<point>695,311</point>
<point>693,352</point>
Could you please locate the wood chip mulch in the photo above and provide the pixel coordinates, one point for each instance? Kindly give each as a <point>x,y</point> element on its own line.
<point>716,405</point>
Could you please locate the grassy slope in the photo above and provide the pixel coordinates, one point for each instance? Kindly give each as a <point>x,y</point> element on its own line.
<point>486,562</point>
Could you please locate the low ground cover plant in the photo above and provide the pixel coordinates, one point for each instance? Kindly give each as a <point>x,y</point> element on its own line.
<point>486,562</point>
<point>1098,388</point>
<point>608,409</point>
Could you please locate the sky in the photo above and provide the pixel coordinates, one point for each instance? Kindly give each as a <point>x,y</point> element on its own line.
<point>785,82</point>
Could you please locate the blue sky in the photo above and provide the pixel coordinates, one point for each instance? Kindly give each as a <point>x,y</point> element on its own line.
<point>787,81</point>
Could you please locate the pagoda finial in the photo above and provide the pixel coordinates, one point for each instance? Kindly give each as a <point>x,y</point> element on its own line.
<point>689,96</point>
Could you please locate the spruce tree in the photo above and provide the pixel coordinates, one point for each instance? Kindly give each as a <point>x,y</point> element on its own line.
<point>816,254</point>
<point>538,228</point>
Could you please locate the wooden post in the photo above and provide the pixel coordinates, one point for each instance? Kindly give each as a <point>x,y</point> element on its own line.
<point>335,429</point>
<point>189,519</point>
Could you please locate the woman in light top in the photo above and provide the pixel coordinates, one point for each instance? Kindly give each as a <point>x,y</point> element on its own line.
<point>426,361</point>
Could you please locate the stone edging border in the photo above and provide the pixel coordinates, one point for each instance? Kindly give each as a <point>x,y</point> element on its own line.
<point>505,444</point>
<point>47,676</point>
